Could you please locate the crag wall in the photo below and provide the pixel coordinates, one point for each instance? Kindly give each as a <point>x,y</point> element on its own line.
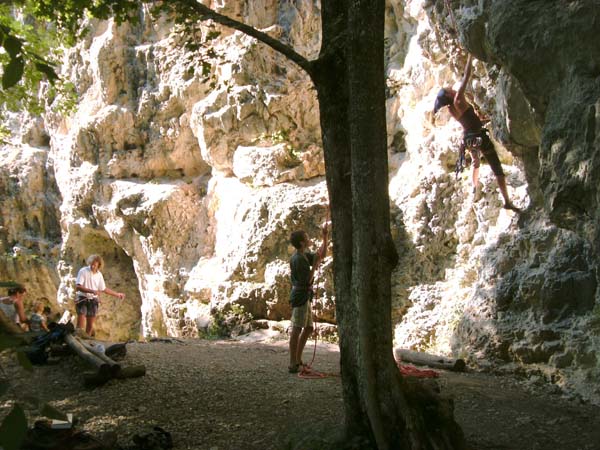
<point>189,191</point>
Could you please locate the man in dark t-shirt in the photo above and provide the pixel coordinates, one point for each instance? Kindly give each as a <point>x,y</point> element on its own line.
<point>302,266</point>
<point>475,137</point>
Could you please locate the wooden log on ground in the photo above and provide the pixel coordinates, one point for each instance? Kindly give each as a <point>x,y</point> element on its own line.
<point>104,369</point>
<point>107,368</point>
<point>115,367</point>
<point>426,359</point>
<point>97,379</point>
<point>132,372</point>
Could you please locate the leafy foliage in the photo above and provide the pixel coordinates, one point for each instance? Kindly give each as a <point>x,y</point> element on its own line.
<point>230,321</point>
<point>28,62</point>
<point>34,33</point>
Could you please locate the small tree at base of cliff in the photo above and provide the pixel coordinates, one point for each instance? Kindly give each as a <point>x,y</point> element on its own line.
<point>382,410</point>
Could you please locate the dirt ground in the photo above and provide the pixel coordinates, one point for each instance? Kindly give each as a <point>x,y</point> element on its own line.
<point>229,395</point>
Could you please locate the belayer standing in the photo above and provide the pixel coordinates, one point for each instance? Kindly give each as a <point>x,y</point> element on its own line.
<point>475,137</point>
<point>303,265</point>
<point>89,285</point>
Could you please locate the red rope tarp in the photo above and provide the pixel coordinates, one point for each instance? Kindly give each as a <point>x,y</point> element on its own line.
<point>409,370</point>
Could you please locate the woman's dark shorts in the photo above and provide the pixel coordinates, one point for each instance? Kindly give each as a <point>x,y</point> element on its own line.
<point>86,307</point>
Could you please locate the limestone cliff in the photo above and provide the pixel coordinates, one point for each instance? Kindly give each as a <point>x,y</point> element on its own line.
<point>190,190</point>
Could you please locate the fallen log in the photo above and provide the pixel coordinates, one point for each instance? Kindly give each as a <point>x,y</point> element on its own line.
<point>426,359</point>
<point>98,379</point>
<point>95,379</point>
<point>115,367</point>
<point>131,372</point>
<point>107,367</point>
<point>104,369</point>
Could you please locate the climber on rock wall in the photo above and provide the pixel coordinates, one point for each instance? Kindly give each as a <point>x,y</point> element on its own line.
<point>475,138</point>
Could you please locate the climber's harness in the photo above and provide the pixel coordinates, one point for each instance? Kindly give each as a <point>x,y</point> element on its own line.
<point>472,140</point>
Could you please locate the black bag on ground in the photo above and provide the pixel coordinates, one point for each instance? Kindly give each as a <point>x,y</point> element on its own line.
<point>38,350</point>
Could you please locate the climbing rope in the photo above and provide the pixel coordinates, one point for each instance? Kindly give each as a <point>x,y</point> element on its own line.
<point>307,372</point>
<point>452,18</point>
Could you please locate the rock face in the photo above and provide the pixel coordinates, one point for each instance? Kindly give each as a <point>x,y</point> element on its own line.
<point>190,191</point>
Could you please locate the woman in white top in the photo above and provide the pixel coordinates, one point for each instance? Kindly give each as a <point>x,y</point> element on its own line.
<point>13,307</point>
<point>89,285</point>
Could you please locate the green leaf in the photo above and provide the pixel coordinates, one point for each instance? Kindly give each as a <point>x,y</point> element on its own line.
<point>13,429</point>
<point>12,45</point>
<point>48,71</point>
<point>13,72</point>
<point>52,413</point>
<point>8,284</point>
<point>24,361</point>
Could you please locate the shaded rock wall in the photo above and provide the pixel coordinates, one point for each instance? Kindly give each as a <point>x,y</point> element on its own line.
<point>503,290</point>
<point>190,191</point>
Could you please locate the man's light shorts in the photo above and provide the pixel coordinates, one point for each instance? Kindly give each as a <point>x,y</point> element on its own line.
<point>302,316</point>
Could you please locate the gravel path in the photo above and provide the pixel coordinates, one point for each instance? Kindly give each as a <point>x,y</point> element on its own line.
<point>228,395</point>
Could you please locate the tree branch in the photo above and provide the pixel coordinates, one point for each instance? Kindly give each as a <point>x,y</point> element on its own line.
<point>207,13</point>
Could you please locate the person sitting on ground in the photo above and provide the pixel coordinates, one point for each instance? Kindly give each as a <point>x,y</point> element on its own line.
<point>37,321</point>
<point>475,137</point>
<point>51,317</point>
<point>302,264</point>
<point>13,307</point>
<point>89,285</point>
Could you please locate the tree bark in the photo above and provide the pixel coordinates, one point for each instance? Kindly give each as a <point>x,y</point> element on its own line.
<point>349,77</point>
<point>329,76</point>
<point>374,255</point>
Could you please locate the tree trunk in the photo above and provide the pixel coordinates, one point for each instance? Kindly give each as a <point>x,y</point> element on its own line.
<point>329,77</point>
<point>374,255</point>
<point>349,77</point>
